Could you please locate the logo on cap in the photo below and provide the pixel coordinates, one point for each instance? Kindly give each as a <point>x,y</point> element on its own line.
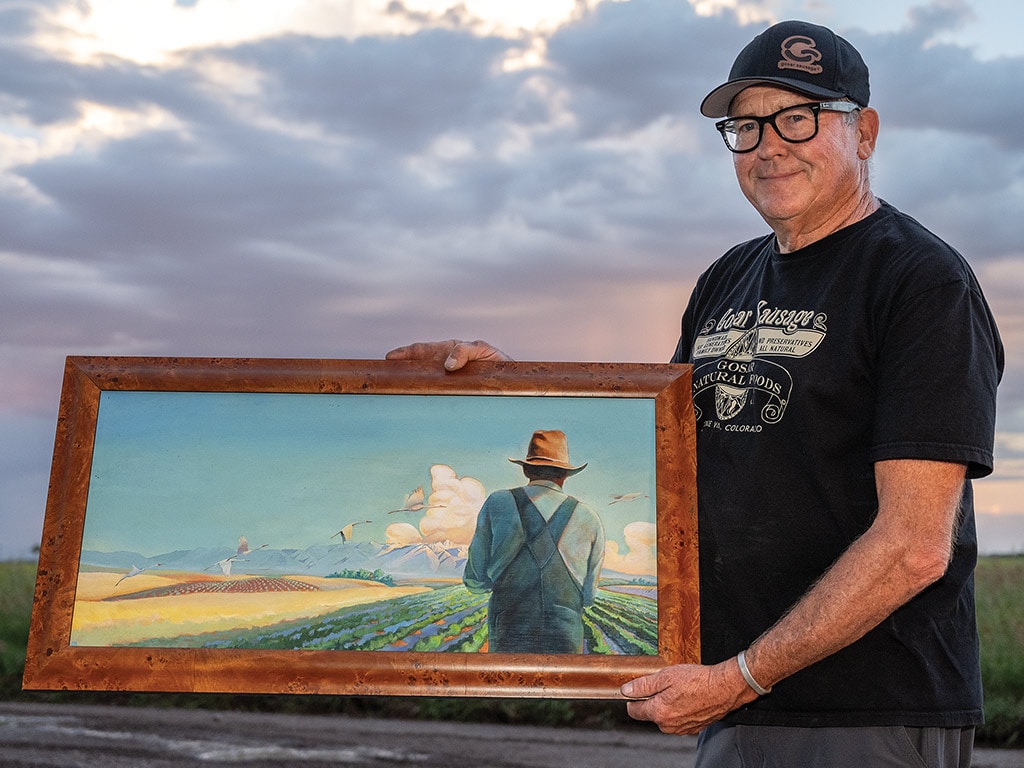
<point>801,52</point>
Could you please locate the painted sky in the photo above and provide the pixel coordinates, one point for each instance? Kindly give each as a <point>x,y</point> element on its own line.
<point>314,179</point>
<point>179,470</point>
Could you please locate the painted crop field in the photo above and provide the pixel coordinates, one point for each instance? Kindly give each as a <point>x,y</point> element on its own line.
<point>446,619</point>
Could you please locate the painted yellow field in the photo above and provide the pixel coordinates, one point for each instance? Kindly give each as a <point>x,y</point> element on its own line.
<point>97,622</point>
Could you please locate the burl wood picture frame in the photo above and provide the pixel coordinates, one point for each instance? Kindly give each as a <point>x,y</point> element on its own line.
<point>301,526</point>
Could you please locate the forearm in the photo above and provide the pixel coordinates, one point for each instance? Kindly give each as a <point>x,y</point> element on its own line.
<point>863,587</point>
<point>906,549</point>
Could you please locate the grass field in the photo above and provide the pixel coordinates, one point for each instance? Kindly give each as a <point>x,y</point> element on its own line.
<point>1000,594</point>
<point>17,583</point>
<point>1000,597</point>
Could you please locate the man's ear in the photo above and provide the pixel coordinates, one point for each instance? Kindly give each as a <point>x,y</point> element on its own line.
<point>867,133</point>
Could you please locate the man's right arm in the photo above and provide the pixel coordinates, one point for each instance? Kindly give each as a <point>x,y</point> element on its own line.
<point>453,353</point>
<point>478,561</point>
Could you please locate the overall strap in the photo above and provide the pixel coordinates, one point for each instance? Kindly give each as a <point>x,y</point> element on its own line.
<point>542,536</point>
<point>560,519</point>
<point>531,518</point>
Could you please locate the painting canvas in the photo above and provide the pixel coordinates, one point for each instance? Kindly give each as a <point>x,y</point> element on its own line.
<point>222,518</point>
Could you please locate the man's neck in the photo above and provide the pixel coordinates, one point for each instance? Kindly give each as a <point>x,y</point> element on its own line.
<point>552,484</point>
<point>792,236</point>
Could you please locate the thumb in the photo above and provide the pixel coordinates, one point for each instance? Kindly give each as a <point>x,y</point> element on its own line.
<point>459,355</point>
<point>465,351</point>
<point>642,688</point>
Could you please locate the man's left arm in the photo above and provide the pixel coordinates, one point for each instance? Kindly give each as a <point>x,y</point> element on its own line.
<point>907,547</point>
<point>595,562</point>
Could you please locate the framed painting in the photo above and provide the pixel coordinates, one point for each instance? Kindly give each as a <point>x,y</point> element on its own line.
<point>367,527</point>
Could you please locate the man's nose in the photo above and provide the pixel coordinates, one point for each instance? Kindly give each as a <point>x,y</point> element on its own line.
<point>771,140</point>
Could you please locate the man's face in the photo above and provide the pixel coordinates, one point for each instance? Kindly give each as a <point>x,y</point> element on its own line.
<point>802,187</point>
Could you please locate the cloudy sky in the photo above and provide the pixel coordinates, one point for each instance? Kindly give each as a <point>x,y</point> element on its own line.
<point>310,465</point>
<point>319,178</point>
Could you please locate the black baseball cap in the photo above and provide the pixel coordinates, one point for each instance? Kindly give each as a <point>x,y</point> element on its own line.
<point>803,57</point>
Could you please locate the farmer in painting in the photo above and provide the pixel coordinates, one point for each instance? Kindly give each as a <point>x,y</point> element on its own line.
<point>538,551</point>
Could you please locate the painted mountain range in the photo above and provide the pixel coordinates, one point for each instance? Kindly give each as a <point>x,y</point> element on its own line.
<point>415,561</point>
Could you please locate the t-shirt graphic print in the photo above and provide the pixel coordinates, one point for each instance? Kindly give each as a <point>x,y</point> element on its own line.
<point>740,359</point>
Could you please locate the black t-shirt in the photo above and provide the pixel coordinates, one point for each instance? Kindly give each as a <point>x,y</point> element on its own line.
<point>873,343</point>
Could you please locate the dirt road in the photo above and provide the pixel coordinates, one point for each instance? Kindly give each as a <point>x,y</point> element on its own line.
<point>70,736</point>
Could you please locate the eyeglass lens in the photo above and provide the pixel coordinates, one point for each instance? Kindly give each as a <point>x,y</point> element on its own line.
<point>795,124</point>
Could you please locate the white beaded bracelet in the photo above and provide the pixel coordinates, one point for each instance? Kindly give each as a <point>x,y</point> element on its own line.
<point>741,658</point>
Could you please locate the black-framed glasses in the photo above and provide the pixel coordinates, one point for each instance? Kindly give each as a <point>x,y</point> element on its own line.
<point>794,124</point>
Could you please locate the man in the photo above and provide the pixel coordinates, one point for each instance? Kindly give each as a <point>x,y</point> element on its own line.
<point>538,551</point>
<point>845,372</point>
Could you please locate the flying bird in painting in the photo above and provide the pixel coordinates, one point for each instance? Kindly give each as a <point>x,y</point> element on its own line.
<point>243,547</point>
<point>415,502</point>
<point>346,532</point>
<point>225,564</point>
<point>627,497</point>
<point>135,571</point>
